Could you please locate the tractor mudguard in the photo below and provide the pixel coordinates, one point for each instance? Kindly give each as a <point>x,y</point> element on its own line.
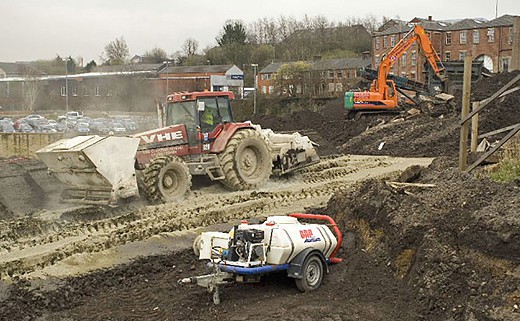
<point>296,264</point>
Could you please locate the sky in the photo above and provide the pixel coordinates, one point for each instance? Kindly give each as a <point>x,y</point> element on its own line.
<point>42,29</point>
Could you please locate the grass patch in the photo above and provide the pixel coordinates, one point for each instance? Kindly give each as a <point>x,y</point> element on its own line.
<point>509,167</point>
<point>370,238</point>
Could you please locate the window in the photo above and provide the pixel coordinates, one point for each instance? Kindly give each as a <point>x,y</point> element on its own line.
<point>74,91</point>
<point>96,91</point>
<point>85,91</point>
<point>385,42</point>
<point>271,89</point>
<point>264,90</point>
<point>462,37</point>
<point>265,76</point>
<point>378,43</point>
<point>403,60</point>
<point>510,38</point>
<point>414,58</point>
<point>392,41</point>
<point>476,36</point>
<point>448,38</point>
<point>447,56</point>
<point>339,87</point>
<point>331,74</point>
<point>63,91</point>
<point>378,61</point>
<point>462,54</point>
<point>491,34</point>
<point>413,76</point>
<point>403,74</point>
<point>331,87</point>
<point>339,73</point>
<point>505,64</point>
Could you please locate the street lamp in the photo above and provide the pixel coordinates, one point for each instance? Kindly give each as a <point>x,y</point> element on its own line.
<point>167,82</point>
<point>67,85</point>
<point>255,85</point>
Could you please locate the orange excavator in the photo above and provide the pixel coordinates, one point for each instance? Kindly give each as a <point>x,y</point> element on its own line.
<point>382,95</point>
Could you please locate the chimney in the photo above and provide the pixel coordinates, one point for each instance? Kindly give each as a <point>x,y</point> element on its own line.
<point>430,18</point>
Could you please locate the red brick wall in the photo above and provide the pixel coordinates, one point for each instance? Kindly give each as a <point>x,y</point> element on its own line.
<point>500,48</point>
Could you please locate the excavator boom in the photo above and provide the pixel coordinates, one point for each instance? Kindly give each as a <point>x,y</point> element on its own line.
<point>382,93</point>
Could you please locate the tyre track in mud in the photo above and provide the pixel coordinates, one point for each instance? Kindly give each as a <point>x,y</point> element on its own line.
<point>34,243</point>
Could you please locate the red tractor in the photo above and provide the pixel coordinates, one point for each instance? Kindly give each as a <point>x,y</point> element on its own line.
<point>198,137</point>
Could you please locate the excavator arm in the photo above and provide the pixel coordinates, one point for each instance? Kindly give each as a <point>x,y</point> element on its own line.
<point>382,94</point>
<point>417,34</point>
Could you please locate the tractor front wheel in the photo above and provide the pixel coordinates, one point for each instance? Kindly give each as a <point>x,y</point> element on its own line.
<point>166,179</point>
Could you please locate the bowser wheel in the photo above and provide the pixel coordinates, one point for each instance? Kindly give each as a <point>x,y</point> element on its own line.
<point>166,179</point>
<point>197,245</point>
<point>312,271</point>
<point>246,161</point>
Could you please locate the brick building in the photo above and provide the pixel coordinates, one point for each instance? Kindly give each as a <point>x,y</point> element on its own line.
<point>325,77</point>
<point>486,41</point>
<point>201,78</point>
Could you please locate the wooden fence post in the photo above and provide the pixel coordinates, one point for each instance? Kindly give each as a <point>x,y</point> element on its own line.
<point>464,129</point>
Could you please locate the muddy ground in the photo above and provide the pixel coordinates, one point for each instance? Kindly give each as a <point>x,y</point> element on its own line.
<point>444,249</point>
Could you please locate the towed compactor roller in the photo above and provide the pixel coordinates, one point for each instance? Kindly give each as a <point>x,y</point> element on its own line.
<point>93,169</point>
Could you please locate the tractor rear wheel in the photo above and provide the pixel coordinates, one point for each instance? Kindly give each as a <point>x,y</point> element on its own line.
<point>166,179</point>
<point>246,161</point>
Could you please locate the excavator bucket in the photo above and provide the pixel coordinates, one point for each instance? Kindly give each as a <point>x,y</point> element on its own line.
<point>94,169</point>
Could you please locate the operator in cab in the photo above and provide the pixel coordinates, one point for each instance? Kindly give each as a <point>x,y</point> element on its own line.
<point>207,120</point>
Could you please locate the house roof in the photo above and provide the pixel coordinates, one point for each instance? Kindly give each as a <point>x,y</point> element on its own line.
<point>467,24</point>
<point>447,25</point>
<point>324,64</point>
<point>127,68</point>
<point>196,69</point>
<point>342,63</point>
<point>271,68</point>
<point>502,21</point>
<point>13,69</point>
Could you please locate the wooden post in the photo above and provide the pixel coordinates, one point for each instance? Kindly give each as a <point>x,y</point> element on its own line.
<point>515,54</point>
<point>464,129</point>
<point>474,129</point>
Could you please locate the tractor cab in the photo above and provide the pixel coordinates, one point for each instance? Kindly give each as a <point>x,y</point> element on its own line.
<point>199,111</point>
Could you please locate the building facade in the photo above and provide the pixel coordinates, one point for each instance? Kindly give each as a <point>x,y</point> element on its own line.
<point>488,41</point>
<point>320,79</point>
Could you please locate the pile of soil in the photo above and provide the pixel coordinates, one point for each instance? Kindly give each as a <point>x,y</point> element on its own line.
<point>434,133</point>
<point>455,245</point>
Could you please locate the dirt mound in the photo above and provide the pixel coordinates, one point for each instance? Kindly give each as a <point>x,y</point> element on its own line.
<point>425,134</point>
<point>455,245</point>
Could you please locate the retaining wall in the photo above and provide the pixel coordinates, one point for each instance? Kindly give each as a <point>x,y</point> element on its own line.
<point>25,144</point>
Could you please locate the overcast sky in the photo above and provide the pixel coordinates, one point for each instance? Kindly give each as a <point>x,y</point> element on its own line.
<point>40,29</point>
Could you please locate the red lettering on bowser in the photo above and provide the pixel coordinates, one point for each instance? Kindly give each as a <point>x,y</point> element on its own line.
<point>305,233</point>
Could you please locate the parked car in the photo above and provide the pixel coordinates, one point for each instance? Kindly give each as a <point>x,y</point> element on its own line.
<point>118,128</point>
<point>71,115</point>
<point>82,127</point>
<point>5,127</point>
<point>25,128</point>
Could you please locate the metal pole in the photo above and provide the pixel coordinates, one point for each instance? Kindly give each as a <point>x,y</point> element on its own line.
<point>167,83</point>
<point>255,85</point>
<point>67,84</point>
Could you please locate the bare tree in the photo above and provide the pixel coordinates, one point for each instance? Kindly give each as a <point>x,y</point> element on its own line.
<point>155,56</point>
<point>190,47</point>
<point>31,88</point>
<point>116,52</point>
